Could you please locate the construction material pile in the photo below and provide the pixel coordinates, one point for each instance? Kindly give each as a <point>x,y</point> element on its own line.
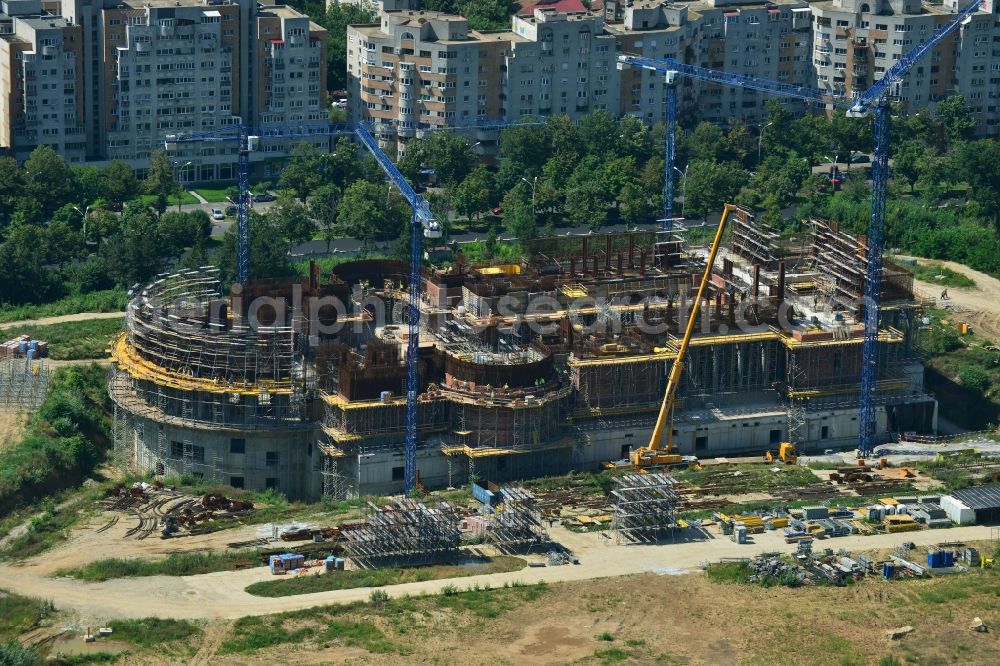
<point>404,533</point>
<point>645,507</point>
<point>177,514</point>
<point>24,347</point>
<point>515,523</point>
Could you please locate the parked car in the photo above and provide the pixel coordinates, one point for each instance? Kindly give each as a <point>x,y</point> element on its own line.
<point>231,211</point>
<point>217,214</point>
<point>266,196</point>
<point>861,159</point>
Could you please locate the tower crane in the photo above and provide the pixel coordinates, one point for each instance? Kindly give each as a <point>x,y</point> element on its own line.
<point>422,223</point>
<point>875,100</point>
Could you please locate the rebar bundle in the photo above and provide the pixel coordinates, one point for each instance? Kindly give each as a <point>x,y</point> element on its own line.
<point>404,533</point>
<point>645,507</point>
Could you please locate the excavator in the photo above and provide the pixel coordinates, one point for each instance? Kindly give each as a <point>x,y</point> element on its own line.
<point>666,454</point>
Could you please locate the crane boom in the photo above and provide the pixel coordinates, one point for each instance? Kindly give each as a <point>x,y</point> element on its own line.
<point>645,456</point>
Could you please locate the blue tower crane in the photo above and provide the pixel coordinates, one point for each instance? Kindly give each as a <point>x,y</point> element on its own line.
<point>875,100</point>
<point>422,223</point>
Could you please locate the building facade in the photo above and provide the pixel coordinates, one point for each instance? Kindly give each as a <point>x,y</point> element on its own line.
<point>417,70</point>
<point>132,72</point>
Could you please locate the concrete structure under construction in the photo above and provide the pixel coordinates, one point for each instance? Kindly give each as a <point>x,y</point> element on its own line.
<point>557,362</point>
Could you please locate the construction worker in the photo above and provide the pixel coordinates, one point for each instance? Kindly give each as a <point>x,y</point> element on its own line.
<point>944,295</point>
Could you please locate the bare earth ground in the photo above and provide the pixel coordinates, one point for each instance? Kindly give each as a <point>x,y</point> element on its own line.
<point>982,301</point>
<point>61,319</point>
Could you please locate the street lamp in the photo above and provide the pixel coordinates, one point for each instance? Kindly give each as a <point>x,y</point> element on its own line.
<point>84,213</point>
<point>180,167</point>
<point>684,184</point>
<point>534,184</point>
<point>760,139</point>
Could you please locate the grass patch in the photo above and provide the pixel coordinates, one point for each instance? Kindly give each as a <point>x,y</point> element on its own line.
<point>946,470</point>
<point>612,655</point>
<point>359,634</point>
<point>85,658</point>
<point>729,572</point>
<point>175,564</point>
<point>940,275</point>
<point>153,631</point>
<point>750,477</point>
<point>213,194</point>
<point>172,200</point>
<point>75,340</point>
<point>344,580</point>
<point>20,614</point>
<point>109,300</point>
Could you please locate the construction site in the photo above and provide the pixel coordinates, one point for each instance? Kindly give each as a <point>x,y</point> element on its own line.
<point>556,363</point>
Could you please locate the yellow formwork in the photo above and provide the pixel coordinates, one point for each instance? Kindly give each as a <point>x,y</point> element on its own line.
<point>127,360</point>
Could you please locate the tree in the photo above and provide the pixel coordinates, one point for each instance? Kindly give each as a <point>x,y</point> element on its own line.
<point>959,125</point>
<point>710,185</point>
<point>48,179</point>
<point>23,277</point>
<point>335,17</point>
<point>291,219</point>
<point>637,202</point>
<point>705,143</point>
<point>588,202</point>
<point>323,208</point>
<point>471,197</point>
<point>365,215</point>
<point>117,184</point>
<point>977,162</point>
<point>134,253</point>
<point>160,181</point>
<point>268,250</point>
<point>177,231</point>
<point>11,187</point>
<point>518,219</point>
<point>304,172</point>
<point>906,162</point>
<point>451,157</point>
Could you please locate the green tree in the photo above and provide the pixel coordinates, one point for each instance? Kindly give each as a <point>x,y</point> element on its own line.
<point>451,157</point>
<point>471,197</point>
<point>959,125</point>
<point>11,187</point>
<point>304,172</point>
<point>268,250</point>
<point>977,163</point>
<point>160,181</point>
<point>710,185</point>
<point>518,219</point>
<point>134,253</point>
<point>365,215</point>
<point>23,276</point>
<point>907,160</point>
<point>335,17</point>
<point>118,184</point>
<point>291,218</point>
<point>48,179</point>
<point>706,143</point>
<point>323,208</point>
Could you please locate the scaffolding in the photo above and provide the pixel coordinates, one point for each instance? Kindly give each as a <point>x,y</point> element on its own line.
<point>515,526</point>
<point>404,533</point>
<point>644,507</point>
<point>24,383</point>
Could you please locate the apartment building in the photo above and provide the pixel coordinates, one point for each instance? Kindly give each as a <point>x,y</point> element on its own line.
<point>413,70</point>
<point>41,61</point>
<point>144,69</point>
<point>856,41</point>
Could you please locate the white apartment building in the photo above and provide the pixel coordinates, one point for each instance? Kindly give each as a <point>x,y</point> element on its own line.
<point>411,71</point>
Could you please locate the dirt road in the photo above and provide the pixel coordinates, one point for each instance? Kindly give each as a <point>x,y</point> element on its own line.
<point>61,319</point>
<point>979,306</point>
<point>222,596</point>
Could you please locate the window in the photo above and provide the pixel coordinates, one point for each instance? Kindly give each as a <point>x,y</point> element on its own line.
<point>237,445</point>
<point>270,483</point>
<point>271,459</point>
<point>774,437</point>
<point>824,432</point>
<point>236,482</point>
<point>177,450</point>
<point>700,442</point>
<point>397,473</point>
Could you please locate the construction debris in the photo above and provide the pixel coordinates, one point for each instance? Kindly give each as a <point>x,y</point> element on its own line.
<point>177,514</point>
<point>899,632</point>
<point>979,626</point>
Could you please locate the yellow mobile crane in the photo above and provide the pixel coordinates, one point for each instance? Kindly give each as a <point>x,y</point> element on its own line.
<point>656,453</point>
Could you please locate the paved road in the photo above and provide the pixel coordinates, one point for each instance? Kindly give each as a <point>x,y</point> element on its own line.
<point>222,595</point>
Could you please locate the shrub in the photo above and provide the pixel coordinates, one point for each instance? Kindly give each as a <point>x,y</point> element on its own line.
<point>974,378</point>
